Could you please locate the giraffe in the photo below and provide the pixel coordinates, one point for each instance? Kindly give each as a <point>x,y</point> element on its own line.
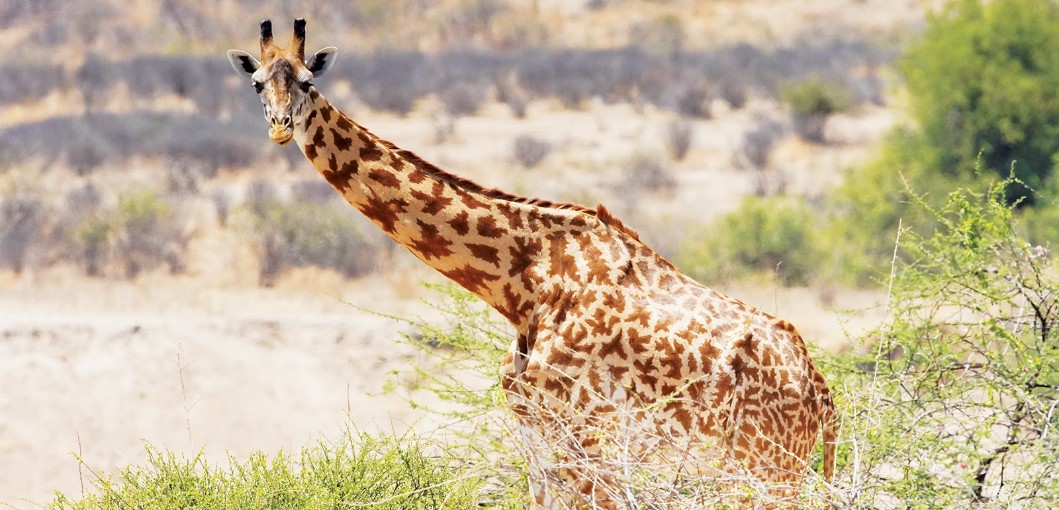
<point>616,350</point>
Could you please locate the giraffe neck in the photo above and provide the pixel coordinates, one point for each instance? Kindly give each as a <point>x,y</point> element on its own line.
<point>491,243</point>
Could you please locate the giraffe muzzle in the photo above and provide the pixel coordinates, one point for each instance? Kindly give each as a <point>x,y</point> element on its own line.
<point>281,129</point>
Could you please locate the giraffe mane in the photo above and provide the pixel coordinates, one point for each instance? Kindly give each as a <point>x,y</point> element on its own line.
<point>599,212</point>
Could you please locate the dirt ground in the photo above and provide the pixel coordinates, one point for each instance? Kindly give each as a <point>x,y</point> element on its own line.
<point>96,368</point>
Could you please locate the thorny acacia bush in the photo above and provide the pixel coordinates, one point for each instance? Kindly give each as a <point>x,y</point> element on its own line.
<point>957,403</point>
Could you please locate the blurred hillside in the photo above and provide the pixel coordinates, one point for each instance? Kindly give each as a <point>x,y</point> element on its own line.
<point>107,98</point>
<point>53,31</point>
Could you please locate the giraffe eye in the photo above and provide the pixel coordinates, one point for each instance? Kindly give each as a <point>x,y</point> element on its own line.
<point>258,86</point>
<point>305,85</point>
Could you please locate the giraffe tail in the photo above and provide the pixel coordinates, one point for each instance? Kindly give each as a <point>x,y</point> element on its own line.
<point>829,417</point>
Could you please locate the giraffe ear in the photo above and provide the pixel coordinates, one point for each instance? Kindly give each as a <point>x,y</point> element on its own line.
<point>242,62</point>
<point>322,61</point>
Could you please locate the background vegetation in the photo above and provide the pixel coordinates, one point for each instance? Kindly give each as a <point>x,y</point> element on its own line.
<point>981,97</point>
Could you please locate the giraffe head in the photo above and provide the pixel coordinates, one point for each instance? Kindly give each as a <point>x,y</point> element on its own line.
<point>283,78</point>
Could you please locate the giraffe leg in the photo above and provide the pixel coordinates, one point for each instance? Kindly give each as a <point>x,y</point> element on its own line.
<point>534,447</point>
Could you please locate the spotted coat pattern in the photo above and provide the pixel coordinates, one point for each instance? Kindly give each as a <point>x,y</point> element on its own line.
<point>608,332</point>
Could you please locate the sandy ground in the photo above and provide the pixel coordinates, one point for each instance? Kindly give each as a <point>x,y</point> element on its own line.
<point>98,367</point>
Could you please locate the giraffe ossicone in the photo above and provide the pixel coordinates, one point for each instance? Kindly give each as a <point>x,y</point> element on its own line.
<point>616,349</point>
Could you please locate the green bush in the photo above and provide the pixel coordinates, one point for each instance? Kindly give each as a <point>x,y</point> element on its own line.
<point>772,236</point>
<point>954,404</point>
<point>983,83</point>
<point>865,211</point>
<point>812,101</point>
<point>358,470</point>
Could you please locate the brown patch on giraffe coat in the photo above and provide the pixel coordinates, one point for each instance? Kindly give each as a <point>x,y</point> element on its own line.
<point>485,253</point>
<point>417,176</point>
<point>559,357</point>
<point>513,217</point>
<point>369,153</point>
<point>639,344</point>
<point>645,374</point>
<point>680,412</point>
<point>430,244</point>
<point>469,200</point>
<point>510,309</point>
<point>671,360</point>
<point>326,114</point>
<point>557,258</point>
<point>486,227</point>
<point>647,270</point>
<point>340,179</point>
<point>384,178</point>
<point>344,123</point>
<point>434,202</point>
<point>618,372</point>
<point>312,147</point>
<point>385,213</point>
<point>666,282</point>
<point>601,323</point>
<point>460,223</point>
<point>614,346</point>
<point>614,301</point>
<point>598,270</point>
<point>523,253</point>
<point>639,317</point>
<point>342,143</point>
<point>693,364</point>
<point>471,278</point>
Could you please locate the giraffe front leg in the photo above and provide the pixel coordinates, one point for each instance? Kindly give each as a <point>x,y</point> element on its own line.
<point>534,448</point>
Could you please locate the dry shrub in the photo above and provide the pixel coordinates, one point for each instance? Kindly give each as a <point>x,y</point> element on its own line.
<point>679,134</point>
<point>306,233</point>
<point>757,145</point>
<point>530,151</point>
<point>22,217</point>
<point>646,172</point>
